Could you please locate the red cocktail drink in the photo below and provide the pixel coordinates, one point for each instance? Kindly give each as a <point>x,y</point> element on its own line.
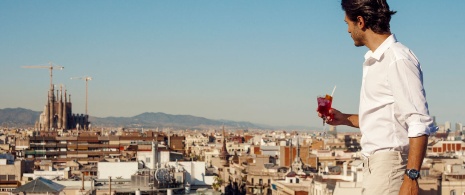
<point>324,105</point>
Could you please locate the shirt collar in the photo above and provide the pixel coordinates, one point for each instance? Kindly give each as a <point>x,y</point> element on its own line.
<point>381,48</point>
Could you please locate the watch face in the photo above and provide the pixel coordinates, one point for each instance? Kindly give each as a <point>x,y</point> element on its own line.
<point>413,174</point>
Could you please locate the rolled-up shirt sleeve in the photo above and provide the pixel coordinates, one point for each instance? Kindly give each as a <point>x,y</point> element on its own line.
<point>406,81</point>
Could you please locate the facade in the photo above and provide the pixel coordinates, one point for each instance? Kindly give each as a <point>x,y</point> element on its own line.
<point>285,187</point>
<point>442,147</point>
<point>163,157</point>
<point>195,172</point>
<point>58,114</point>
<point>11,171</point>
<point>237,147</point>
<point>195,140</point>
<point>120,170</point>
<point>64,148</point>
<point>289,153</point>
<point>453,179</point>
<point>177,143</point>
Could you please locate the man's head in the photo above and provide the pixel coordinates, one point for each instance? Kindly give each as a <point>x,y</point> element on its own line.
<point>362,15</point>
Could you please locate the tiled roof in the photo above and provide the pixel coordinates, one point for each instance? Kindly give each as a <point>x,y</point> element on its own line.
<point>40,185</point>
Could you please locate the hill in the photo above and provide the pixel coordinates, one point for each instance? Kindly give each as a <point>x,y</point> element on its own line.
<point>24,117</point>
<point>18,117</point>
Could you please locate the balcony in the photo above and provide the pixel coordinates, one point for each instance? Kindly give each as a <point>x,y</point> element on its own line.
<point>113,145</point>
<point>60,145</point>
<point>30,152</point>
<point>51,153</point>
<point>93,153</point>
<point>79,147</point>
<point>50,145</point>
<point>103,146</point>
<point>42,138</point>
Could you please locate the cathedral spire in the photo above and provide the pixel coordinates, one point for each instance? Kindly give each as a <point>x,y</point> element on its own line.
<point>224,155</point>
<point>297,165</point>
<point>224,142</point>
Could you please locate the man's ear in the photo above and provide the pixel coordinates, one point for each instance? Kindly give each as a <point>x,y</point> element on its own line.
<point>361,23</point>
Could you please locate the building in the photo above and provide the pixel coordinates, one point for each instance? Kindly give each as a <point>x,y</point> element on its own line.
<point>177,143</point>
<point>13,170</point>
<point>120,170</point>
<point>453,180</point>
<point>58,114</point>
<point>292,184</point>
<point>40,186</point>
<point>443,147</point>
<point>195,172</point>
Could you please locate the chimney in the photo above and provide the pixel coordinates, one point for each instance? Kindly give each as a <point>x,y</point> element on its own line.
<point>154,153</point>
<point>290,153</point>
<point>344,169</point>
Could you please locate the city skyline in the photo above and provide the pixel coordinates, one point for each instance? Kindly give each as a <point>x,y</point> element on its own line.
<point>256,61</point>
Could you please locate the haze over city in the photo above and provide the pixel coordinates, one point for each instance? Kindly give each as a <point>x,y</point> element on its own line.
<point>258,61</point>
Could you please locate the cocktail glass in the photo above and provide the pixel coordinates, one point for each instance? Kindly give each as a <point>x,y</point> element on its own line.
<point>324,105</point>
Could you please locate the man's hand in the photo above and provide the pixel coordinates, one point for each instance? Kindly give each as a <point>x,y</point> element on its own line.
<point>338,118</point>
<point>409,187</point>
<point>416,155</point>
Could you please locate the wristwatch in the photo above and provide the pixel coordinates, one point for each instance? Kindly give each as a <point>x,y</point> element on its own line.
<point>412,173</point>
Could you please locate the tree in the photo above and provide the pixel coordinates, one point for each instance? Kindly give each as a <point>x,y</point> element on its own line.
<point>217,183</point>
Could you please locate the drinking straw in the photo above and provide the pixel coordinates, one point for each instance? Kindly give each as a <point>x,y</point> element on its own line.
<point>333,91</point>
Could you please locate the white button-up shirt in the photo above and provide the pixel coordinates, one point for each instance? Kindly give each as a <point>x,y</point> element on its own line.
<point>393,105</point>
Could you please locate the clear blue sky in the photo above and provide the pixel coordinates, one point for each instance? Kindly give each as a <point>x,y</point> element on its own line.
<point>258,61</point>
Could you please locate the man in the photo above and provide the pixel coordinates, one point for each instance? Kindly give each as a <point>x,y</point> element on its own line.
<point>393,113</point>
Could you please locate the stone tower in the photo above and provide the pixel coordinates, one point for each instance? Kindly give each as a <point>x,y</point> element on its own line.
<point>224,155</point>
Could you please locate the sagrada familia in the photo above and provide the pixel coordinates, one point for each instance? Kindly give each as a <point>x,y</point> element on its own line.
<point>57,114</point>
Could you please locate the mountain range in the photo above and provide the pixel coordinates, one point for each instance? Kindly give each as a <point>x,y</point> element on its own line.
<point>20,117</point>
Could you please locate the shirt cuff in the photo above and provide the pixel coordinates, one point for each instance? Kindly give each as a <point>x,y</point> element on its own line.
<point>418,129</point>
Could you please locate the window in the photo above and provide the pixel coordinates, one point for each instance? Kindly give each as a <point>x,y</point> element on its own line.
<point>11,177</point>
<point>424,173</point>
<point>147,159</point>
<point>452,192</point>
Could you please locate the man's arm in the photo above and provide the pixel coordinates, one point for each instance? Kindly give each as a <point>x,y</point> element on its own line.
<point>339,118</point>
<point>417,151</point>
<point>416,155</point>
<point>352,120</point>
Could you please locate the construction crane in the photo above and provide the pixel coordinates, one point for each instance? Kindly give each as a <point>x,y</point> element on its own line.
<point>86,78</point>
<point>50,67</point>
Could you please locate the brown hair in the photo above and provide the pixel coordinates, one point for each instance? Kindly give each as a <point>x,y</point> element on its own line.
<point>376,13</point>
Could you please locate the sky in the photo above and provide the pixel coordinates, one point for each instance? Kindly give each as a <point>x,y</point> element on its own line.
<point>259,61</point>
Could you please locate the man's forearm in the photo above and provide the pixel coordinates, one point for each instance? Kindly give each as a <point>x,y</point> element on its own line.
<point>417,151</point>
<point>351,120</point>
<point>415,158</point>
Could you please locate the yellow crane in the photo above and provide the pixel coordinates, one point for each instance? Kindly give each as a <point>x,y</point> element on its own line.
<point>51,66</point>
<point>86,78</point>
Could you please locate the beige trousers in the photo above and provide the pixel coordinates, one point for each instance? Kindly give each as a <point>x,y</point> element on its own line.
<point>383,173</point>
